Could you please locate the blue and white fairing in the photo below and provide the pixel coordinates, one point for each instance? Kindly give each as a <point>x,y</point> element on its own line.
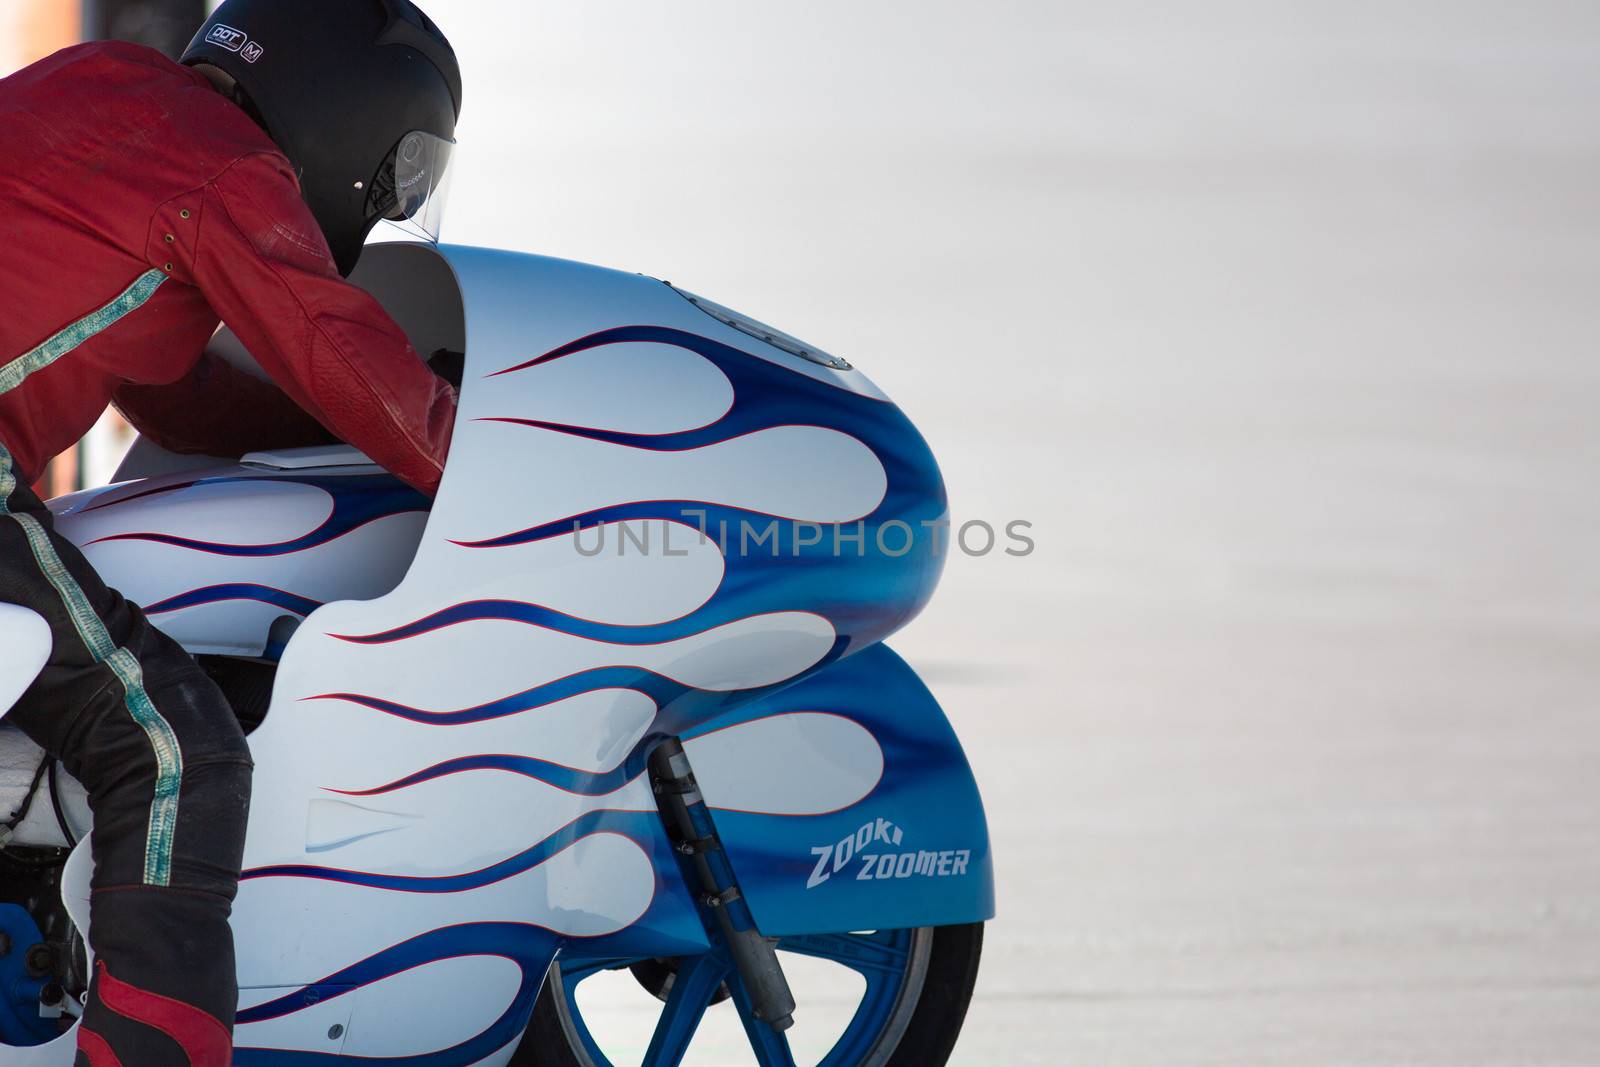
<point>912,851</point>
<point>450,782</point>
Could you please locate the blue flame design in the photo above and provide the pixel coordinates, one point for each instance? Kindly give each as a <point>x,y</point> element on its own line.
<point>636,826</point>
<point>570,779</point>
<point>216,594</point>
<point>681,706</point>
<point>658,688</point>
<point>860,576</point>
<point>530,947</point>
<point>357,501</point>
<point>533,615</point>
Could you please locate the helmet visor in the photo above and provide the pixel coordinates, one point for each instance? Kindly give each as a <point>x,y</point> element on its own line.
<point>412,187</point>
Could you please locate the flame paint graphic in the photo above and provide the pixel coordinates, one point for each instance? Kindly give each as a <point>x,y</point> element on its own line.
<point>535,615</point>
<point>357,501</point>
<point>655,686</point>
<point>529,947</point>
<point>682,707</point>
<point>568,779</point>
<point>766,397</point>
<point>629,824</point>
<point>217,594</point>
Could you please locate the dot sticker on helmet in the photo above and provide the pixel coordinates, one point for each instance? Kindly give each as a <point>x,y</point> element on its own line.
<point>228,37</point>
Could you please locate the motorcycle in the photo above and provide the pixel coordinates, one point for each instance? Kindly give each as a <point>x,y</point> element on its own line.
<point>613,710</point>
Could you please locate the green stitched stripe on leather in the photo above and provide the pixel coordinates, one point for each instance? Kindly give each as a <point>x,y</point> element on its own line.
<point>163,823</point>
<point>16,372</point>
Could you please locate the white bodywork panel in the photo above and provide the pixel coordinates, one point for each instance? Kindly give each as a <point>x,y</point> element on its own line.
<point>25,644</point>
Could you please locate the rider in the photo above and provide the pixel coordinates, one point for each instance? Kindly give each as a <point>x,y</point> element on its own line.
<point>144,200</point>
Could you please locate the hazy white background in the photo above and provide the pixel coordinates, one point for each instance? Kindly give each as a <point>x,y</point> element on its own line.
<point>1278,321</point>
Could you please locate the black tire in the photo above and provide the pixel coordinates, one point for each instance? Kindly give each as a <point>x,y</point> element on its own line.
<point>946,994</point>
<point>929,1039</point>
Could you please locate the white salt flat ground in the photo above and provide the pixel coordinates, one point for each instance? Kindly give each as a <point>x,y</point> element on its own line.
<point>1278,321</point>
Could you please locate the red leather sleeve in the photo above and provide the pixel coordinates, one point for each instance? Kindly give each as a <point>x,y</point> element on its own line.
<point>265,268</point>
<point>217,409</point>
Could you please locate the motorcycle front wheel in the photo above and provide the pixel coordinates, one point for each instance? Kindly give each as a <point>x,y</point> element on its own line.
<point>883,998</point>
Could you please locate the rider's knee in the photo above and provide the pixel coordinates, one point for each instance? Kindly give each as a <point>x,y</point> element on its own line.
<point>212,752</point>
<point>135,729</point>
<point>214,790</point>
<point>168,773</point>
<point>201,723</point>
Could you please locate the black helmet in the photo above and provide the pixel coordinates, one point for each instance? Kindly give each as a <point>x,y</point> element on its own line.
<point>361,95</point>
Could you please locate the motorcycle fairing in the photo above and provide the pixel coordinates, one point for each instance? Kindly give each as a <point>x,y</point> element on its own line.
<point>466,752</point>
<point>923,803</point>
<point>450,781</point>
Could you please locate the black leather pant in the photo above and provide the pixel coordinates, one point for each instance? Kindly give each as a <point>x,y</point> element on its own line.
<point>153,740</point>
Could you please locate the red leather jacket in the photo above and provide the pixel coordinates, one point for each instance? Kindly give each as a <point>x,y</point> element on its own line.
<point>138,207</point>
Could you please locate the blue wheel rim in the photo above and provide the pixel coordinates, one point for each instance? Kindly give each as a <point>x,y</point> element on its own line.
<point>883,958</point>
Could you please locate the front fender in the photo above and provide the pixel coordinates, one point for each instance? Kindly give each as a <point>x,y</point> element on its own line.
<point>25,644</point>
<point>911,849</point>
